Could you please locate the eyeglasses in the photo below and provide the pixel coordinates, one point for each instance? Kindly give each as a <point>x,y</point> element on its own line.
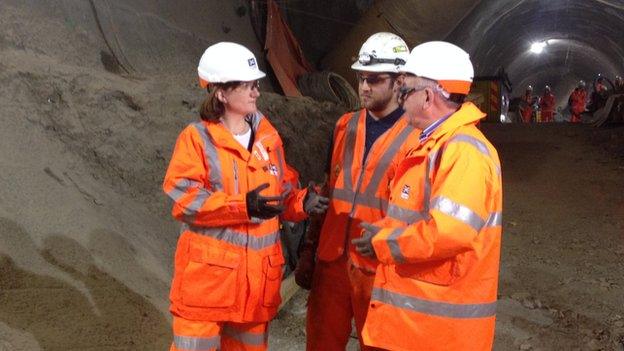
<point>405,91</point>
<point>371,79</point>
<point>254,84</point>
<point>370,59</point>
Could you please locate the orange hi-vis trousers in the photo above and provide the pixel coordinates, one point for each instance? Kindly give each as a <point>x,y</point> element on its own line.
<point>224,336</point>
<point>340,292</point>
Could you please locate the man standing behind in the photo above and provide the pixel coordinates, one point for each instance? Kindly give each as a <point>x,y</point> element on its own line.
<point>439,245</point>
<point>547,104</point>
<point>577,102</point>
<point>526,105</point>
<point>367,147</point>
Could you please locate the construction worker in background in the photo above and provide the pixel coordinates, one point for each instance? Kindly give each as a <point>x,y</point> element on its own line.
<point>439,244</point>
<point>577,102</point>
<point>547,105</point>
<point>619,85</point>
<point>599,95</point>
<point>526,105</point>
<point>228,184</point>
<point>366,148</point>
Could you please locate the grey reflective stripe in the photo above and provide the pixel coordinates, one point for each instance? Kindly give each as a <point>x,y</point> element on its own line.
<point>428,175</point>
<point>197,203</point>
<point>237,238</point>
<point>393,244</point>
<point>192,343</point>
<point>494,220</point>
<point>480,145</point>
<point>367,200</point>
<point>212,158</point>
<point>458,211</point>
<point>246,338</point>
<point>280,163</point>
<point>372,201</point>
<point>342,194</point>
<point>403,214</point>
<point>442,309</point>
<point>384,162</point>
<point>181,188</point>
<point>349,147</point>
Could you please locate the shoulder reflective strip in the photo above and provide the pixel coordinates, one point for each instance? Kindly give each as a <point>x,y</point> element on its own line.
<point>480,145</point>
<point>494,220</point>
<point>441,309</point>
<point>212,158</point>
<point>393,244</point>
<point>238,238</point>
<point>384,162</point>
<point>458,211</point>
<point>247,338</point>
<point>191,343</point>
<point>349,148</point>
<point>404,214</point>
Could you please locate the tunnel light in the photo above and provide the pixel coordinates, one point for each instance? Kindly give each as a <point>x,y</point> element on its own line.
<point>538,47</point>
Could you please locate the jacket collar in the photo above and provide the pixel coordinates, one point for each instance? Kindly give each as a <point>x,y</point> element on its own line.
<point>467,114</point>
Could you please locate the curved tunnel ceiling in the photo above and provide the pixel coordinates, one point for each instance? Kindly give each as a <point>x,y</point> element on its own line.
<point>584,38</point>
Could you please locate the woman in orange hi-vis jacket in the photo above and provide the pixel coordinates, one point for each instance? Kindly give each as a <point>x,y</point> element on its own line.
<point>229,183</point>
<point>439,244</point>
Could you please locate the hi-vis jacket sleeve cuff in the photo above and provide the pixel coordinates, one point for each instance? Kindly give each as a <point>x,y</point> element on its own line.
<point>385,246</point>
<point>294,211</point>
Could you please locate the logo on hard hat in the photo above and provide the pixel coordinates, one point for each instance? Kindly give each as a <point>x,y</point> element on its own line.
<point>251,62</point>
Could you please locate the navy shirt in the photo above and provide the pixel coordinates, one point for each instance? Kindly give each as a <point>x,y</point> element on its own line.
<point>374,129</point>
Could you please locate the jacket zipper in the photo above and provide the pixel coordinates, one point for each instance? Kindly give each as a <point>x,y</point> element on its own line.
<point>235,168</point>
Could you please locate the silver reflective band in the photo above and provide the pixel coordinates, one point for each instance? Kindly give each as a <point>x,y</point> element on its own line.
<point>403,214</point>
<point>247,338</point>
<point>458,211</point>
<point>212,158</point>
<point>393,244</point>
<point>472,141</point>
<point>349,147</point>
<point>442,309</point>
<point>181,188</point>
<point>494,220</point>
<point>236,238</point>
<point>367,200</point>
<point>192,343</point>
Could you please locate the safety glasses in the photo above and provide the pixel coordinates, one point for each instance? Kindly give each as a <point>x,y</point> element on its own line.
<point>371,79</point>
<point>405,91</point>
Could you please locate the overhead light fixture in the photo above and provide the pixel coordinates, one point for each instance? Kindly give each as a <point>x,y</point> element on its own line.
<point>538,47</point>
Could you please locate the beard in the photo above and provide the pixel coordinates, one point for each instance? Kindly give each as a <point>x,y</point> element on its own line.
<point>376,104</point>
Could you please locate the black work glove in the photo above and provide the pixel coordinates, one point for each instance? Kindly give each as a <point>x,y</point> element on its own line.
<point>313,203</point>
<point>364,244</point>
<point>258,205</point>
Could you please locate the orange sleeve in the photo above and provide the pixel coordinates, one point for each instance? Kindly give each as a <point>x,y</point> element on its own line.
<point>195,200</point>
<point>293,203</point>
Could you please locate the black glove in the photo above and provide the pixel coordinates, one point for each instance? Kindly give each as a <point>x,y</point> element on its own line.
<point>313,203</point>
<point>258,205</point>
<point>364,244</point>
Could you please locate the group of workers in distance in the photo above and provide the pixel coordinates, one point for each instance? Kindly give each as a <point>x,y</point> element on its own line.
<point>410,215</point>
<point>538,109</point>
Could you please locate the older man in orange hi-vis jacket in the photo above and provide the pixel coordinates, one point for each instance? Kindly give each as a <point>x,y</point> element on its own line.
<point>439,244</point>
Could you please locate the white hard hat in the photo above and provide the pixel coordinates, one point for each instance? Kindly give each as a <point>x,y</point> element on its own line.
<point>382,52</point>
<point>581,83</point>
<point>227,62</point>
<point>443,62</point>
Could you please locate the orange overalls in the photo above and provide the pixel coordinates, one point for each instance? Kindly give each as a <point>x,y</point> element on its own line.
<point>439,244</point>
<point>359,191</point>
<point>547,104</point>
<point>228,267</point>
<point>578,100</point>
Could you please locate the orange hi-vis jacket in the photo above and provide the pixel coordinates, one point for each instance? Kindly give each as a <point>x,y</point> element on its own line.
<point>359,190</point>
<point>439,245</point>
<point>228,267</point>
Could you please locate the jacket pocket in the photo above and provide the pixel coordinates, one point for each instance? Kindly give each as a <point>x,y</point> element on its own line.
<point>272,268</point>
<point>209,279</point>
<point>443,272</point>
